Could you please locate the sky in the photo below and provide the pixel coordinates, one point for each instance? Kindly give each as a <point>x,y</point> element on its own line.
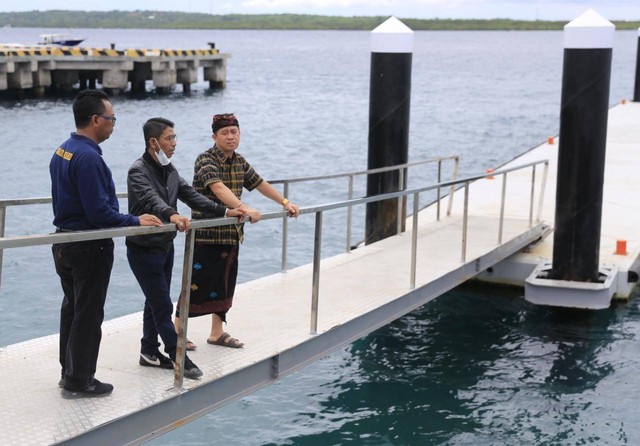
<point>463,9</point>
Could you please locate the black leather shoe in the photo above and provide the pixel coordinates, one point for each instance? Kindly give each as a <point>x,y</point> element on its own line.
<point>96,389</point>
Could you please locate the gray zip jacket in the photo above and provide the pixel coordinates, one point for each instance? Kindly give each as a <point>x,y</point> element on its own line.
<point>154,189</point>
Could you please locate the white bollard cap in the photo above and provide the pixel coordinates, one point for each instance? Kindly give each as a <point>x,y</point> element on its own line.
<point>392,36</point>
<point>589,30</point>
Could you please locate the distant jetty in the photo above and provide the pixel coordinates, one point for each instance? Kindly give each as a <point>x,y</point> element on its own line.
<point>43,69</point>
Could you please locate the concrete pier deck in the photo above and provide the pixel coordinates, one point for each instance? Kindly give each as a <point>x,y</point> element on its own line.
<point>60,68</point>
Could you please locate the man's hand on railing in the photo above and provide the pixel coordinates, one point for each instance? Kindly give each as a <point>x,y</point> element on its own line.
<point>251,214</point>
<point>149,220</point>
<point>292,209</point>
<point>182,223</point>
<point>237,212</point>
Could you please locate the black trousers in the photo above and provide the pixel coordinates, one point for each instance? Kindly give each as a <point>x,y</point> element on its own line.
<point>84,269</point>
<point>153,273</point>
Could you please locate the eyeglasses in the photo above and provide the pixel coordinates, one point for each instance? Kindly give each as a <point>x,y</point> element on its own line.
<point>171,138</point>
<point>110,118</point>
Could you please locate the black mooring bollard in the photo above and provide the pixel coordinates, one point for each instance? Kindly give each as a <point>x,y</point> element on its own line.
<point>588,43</point>
<point>636,90</point>
<point>389,101</point>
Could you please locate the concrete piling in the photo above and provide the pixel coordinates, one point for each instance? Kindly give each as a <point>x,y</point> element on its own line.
<point>21,77</point>
<point>216,73</point>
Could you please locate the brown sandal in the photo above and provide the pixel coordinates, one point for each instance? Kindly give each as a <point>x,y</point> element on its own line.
<point>190,346</point>
<point>225,340</point>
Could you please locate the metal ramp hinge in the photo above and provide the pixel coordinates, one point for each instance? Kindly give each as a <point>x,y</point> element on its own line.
<point>478,265</point>
<point>275,366</point>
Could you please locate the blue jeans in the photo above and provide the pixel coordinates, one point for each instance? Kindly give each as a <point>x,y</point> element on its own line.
<point>153,272</point>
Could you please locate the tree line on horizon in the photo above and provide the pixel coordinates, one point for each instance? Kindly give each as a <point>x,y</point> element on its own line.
<point>185,20</point>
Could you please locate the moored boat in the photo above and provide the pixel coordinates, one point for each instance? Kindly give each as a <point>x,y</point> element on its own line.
<point>59,39</point>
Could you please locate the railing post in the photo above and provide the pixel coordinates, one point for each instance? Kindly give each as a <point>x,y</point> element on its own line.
<point>533,192</point>
<point>185,296</point>
<point>502,200</point>
<point>400,198</point>
<point>285,230</point>
<point>414,240</point>
<point>315,287</point>
<point>349,213</point>
<point>3,215</point>
<point>452,190</point>
<point>542,191</point>
<point>438,193</point>
<point>464,221</point>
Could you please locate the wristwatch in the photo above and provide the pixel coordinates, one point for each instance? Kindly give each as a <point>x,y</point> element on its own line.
<point>284,202</point>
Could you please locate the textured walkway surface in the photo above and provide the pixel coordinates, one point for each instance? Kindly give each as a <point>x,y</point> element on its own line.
<point>351,285</point>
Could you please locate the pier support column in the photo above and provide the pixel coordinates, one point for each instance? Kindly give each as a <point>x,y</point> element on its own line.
<point>389,101</point>
<point>186,77</point>
<point>115,79</point>
<point>5,68</point>
<point>588,43</point>
<point>41,79</point>
<point>21,77</point>
<point>164,79</point>
<point>636,90</point>
<point>216,74</point>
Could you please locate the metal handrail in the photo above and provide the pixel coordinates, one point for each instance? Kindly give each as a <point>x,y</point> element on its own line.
<point>366,172</point>
<point>185,294</point>
<point>351,175</point>
<point>76,236</point>
<point>4,203</point>
<point>286,181</point>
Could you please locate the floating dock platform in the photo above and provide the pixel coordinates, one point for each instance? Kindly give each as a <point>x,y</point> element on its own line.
<point>620,213</point>
<point>60,68</point>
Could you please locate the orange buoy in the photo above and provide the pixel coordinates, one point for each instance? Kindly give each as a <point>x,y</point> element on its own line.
<point>550,140</point>
<point>491,177</point>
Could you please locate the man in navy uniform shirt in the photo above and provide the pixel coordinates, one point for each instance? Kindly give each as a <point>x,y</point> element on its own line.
<point>84,198</point>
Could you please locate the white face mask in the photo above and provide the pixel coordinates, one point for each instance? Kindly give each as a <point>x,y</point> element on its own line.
<point>162,157</point>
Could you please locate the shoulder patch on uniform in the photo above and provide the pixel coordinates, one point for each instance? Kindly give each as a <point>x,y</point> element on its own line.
<point>64,154</point>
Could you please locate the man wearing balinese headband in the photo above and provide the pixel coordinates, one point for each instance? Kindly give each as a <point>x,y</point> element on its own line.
<point>220,174</point>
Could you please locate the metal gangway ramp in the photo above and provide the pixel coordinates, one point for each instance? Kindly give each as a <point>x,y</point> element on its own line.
<point>287,320</point>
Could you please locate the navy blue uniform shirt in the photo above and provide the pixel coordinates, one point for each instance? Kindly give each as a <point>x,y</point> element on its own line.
<point>84,196</point>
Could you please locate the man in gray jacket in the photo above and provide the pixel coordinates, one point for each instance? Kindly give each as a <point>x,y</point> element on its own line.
<point>154,187</point>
